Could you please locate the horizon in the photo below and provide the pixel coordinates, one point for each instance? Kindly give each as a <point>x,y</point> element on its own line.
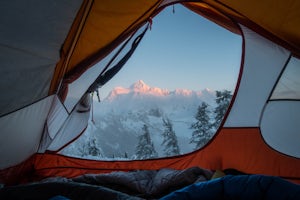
<point>182,50</point>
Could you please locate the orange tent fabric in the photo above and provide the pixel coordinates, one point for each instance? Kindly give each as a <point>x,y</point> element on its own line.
<point>44,63</point>
<point>239,148</point>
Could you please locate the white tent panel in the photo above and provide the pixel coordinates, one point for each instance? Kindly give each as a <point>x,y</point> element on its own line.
<point>56,118</point>
<point>21,132</point>
<point>288,86</point>
<point>280,126</point>
<point>80,86</point>
<point>263,63</point>
<point>77,88</point>
<point>75,124</point>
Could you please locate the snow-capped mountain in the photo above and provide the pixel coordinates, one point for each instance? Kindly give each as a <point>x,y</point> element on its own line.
<point>138,89</point>
<point>141,89</point>
<point>119,118</point>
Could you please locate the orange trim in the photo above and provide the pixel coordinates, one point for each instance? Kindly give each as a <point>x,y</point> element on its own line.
<point>235,11</point>
<point>69,45</point>
<point>213,15</point>
<point>21,173</point>
<point>239,148</point>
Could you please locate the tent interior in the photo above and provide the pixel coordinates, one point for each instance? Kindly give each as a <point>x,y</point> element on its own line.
<point>56,54</point>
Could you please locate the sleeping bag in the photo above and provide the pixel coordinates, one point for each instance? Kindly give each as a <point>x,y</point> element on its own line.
<point>258,187</point>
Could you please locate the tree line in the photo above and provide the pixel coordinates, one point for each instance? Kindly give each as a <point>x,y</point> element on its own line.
<point>207,121</point>
<point>203,129</point>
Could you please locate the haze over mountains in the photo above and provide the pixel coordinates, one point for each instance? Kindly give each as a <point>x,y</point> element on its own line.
<point>119,118</point>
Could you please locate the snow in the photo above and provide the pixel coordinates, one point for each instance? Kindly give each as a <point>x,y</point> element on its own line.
<point>120,117</point>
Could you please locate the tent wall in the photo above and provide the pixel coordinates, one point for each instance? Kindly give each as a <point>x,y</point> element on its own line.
<point>73,127</point>
<point>63,127</point>
<point>31,35</point>
<point>280,126</point>
<point>288,86</point>
<point>21,173</point>
<point>21,132</point>
<point>263,63</point>
<point>240,148</point>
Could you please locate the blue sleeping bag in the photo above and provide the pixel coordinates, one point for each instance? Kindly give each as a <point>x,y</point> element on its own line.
<point>239,187</point>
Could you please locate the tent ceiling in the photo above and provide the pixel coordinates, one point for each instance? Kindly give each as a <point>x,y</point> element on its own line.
<point>31,35</point>
<point>280,18</point>
<point>105,25</point>
<point>37,36</point>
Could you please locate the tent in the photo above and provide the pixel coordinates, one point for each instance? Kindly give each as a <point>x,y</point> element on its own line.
<point>49,50</point>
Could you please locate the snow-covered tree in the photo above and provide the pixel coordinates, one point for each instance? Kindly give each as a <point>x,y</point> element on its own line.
<point>202,127</point>
<point>170,141</point>
<point>125,155</point>
<point>222,99</point>
<point>145,148</point>
<point>90,148</point>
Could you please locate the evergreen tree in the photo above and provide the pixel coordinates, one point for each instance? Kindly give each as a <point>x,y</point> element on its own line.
<point>202,127</point>
<point>222,99</point>
<point>91,148</point>
<point>125,155</point>
<point>169,139</point>
<point>145,148</point>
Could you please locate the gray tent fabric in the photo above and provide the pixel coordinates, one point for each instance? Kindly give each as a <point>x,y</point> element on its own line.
<point>30,47</point>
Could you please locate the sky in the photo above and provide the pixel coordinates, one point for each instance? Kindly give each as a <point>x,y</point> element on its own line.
<point>182,50</point>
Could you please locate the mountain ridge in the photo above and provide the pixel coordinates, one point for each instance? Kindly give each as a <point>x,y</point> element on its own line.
<point>140,88</point>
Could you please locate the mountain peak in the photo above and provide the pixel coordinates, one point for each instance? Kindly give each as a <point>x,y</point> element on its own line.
<point>140,86</point>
